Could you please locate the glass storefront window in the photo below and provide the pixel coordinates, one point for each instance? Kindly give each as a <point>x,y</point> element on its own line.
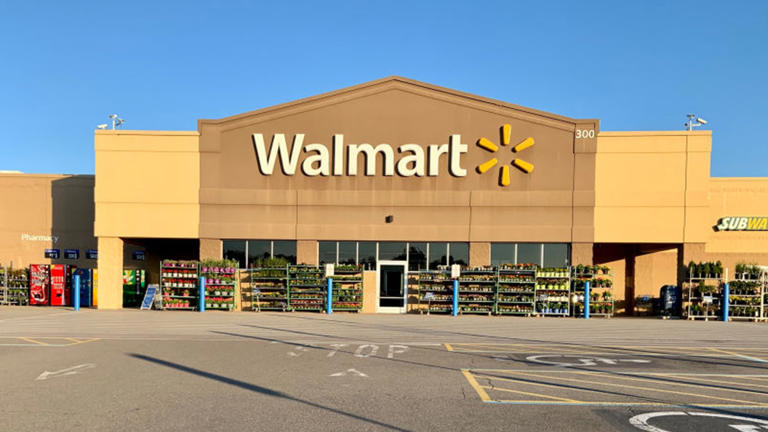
<point>556,255</point>
<point>347,253</point>
<point>437,255</point>
<point>417,256</point>
<point>235,250</point>
<point>258,250</point>
<point>502,253</point>
<point>284,249</point>
<point>529,253</point>
<point>392,251</point>
<point>366,252</point>
<point>327,252</point>
<point>459,253</point>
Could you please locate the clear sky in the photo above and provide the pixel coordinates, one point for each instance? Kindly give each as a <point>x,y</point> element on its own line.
<point>635,65</point>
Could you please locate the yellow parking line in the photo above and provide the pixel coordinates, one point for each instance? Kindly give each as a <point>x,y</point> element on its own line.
<point>535,384</point>
<point>531,394</point>
<point>740,355</point>
<point>637,378</point>
<point>719,381</point>
<point>650,389</point>
<point>32,341</point>
<point>448,347</point>
<point>473,382</point>
<point>76,341</point>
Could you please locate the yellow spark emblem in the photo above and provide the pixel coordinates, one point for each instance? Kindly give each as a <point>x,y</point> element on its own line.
<point>487,144</point>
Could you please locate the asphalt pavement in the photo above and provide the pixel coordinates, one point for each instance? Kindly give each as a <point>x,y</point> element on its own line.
<point>230,371</point>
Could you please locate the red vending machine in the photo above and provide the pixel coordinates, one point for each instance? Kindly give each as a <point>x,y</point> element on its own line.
<point>39,284</point>
<point>60,284</point>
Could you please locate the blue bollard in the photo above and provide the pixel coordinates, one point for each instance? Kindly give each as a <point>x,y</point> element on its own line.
<point>586,300</point>
<point>329,302</point>
<point>201,300</point>
<point>726,300</point>
<point>455,310</point>
<point>76,293</point>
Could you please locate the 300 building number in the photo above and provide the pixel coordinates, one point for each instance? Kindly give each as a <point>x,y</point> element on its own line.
<point>585,133</point>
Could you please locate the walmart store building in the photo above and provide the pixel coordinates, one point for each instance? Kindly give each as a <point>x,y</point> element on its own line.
<point>400,173</point>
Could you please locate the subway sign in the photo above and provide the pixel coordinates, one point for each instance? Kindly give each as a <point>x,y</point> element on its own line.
<point>743,223</point>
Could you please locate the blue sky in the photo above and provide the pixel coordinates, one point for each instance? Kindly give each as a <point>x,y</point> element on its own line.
<point>64,66</point>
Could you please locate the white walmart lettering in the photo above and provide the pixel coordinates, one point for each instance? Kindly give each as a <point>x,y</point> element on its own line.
<point>322,161</point>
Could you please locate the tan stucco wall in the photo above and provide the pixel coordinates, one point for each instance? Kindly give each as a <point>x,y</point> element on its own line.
<point>550,204</point>
<point>654,269</point>
<point>55,206</point>
<point>737,197</point>
<point>651,187</point>
<point>147,184</point>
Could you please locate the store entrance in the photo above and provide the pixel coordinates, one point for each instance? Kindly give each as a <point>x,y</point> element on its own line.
<point>391,286</point>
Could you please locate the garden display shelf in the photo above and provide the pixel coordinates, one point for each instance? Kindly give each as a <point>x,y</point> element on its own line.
<point>477,290</point>
<point>516,289</point>
<point>601,290</point>
<point>696,292</point>
<point>220,284</point>
<point>179,281</point>
<point>440,285</point>
<point>306,288</point>
<point>348,288</point>
<point>18,287</point>
<point>269,288</point>
<point>553,287</point>
<point>3,286</point>
<point>746,300</point>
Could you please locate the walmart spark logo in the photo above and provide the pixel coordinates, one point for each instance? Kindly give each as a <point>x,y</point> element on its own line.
<point>487,144</point>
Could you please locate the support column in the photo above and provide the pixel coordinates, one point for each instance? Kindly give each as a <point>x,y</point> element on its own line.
<point>110,262</point>
<point>211,249</point>
<point>306,252</point>
<point>479,254</point>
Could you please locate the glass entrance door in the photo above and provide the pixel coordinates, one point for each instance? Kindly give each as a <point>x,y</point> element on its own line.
<point>392,286</point>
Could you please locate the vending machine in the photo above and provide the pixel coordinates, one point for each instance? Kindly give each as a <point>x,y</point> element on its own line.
<point>134,287</point>
<point>86,286</point>
<point>39,284</point>
<point>61,276</point>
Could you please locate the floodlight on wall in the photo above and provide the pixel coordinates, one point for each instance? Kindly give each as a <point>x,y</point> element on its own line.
<point>692,124</point>
<point>102,126</point>
<point>389,219</point>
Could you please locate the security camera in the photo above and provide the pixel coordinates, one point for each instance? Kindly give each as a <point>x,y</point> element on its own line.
<point>102,126</point>
<point>701,120</point>
<point>113,116</point>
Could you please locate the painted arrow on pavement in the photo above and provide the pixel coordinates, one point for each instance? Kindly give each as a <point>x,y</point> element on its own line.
<point>351,372</point>
<point>65,372</point>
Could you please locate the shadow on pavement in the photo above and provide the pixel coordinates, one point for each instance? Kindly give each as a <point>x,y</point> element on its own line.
<point>258,389</point>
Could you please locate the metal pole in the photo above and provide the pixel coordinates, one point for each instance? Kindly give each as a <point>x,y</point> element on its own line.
<point>76,294</point>
<point>726,297</point>
<point>329,302</point>
<point>455,297</point>
<point>586,300</point>
<point>201,300</point>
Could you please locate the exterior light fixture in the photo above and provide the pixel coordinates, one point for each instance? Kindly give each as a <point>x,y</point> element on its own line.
<point>389,219</point>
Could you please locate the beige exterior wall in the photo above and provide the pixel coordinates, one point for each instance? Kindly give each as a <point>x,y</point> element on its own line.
<point>43,212</point>
<point>147,184</point>
<point>651,187</point>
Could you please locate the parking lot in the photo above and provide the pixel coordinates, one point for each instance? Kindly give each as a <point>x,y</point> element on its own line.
<point>102,370</point>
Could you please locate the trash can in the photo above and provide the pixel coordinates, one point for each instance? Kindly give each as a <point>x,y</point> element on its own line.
<point>670,300</point>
